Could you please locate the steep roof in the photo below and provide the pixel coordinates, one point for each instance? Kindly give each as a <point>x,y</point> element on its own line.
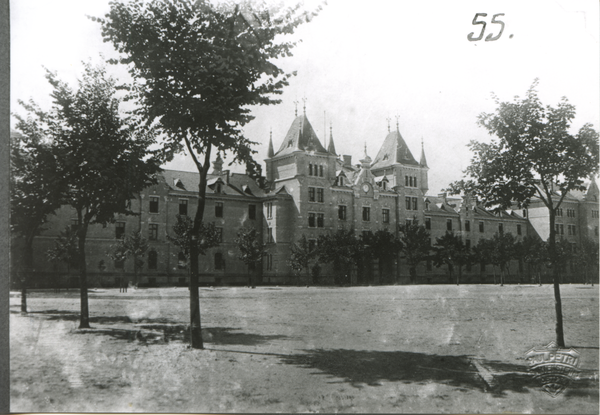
<point>300,136</point>
<point>393,151</point>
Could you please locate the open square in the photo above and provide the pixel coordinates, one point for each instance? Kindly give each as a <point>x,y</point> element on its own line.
<point>441,348</point>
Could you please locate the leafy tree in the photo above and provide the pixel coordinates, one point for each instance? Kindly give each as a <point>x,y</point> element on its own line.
<point>198,68</point>
<point>65,249</point>
<point>303,256</point>
<point>587,257</point>
<point>102,159</point>
<point>416,245</point>
<point>503,251</point>
<point>535,254</point>
<point>482,252</point>
<point>450,250</point>
<point>133,245</point>
<point>209,236</point>
<point>381,245</point>
<point>251,250</point>
<point>343,249</point>
<point>34,188</point>
<point>532,153</point>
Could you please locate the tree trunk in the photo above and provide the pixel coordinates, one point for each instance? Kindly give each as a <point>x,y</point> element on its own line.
<point>459,275</point>
<point>560,337</point>
<point>84,321</point>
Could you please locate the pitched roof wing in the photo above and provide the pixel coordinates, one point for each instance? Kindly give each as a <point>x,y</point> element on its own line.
<point>393,151</point>
<point>300,136</point>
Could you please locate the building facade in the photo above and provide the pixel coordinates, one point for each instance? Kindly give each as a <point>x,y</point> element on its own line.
<point>309,190</point>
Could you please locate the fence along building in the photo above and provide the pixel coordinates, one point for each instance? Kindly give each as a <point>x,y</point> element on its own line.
<point>308,190</point>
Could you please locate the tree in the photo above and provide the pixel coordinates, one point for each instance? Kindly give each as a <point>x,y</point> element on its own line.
<point>450,250</point>
<point>416,246</point>
<point>343,249</point>
<point>133,245</point>
<point>34,188</point>
<point>251,250</point>
<point>65,249</point>
<point>482,252</point>
<point>303,255</point>
<point>587,257</point>
<point>103,160</point>
<point>381,245</point>
<point>532,153</point>
<point>209,236</point>
<point>535,254</point>
<point>502,252</point>
<point>198,69</point>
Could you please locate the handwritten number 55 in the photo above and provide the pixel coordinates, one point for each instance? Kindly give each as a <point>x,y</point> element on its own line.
<point>489,37</point>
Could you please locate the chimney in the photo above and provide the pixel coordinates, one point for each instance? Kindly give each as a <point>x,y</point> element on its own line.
<point>226,173</point>
<point>443,196</point>
<point>347,160</point>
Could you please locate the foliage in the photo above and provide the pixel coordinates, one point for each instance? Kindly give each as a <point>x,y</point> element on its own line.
<point>502,252</point>
<point>534,252</point>
<point>133,245</point>
<point>587,258</point>
<point>302,255</point>
<point>210,237</point>
<point>343,249</point>
<point>65,249</point>
<point>250,246</point>
<point>450,250</point>
<point>532,152</point>
<point>415,240</point>
<point>102,160</point>
<point>380,245</point>
<point>198,68</point>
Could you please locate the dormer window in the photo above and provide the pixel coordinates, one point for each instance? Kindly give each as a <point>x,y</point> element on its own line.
<point>179,184</point>
<point>341,180</point>
<point>218,188</point>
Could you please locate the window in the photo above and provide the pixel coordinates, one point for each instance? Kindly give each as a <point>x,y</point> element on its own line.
<point>383,184</point>
<point>270,238</point>
<point>366,213</point>
<point>500,228</point>
<point>218,260</point>
<point>320,220</point>
<point>595,214</point>
<point>467,226</point>
<point>341,180</point>
<point>428,223</point>
<point>219,209</point>
<point>481,228</point>
<point>311,194</point>
<point>406,181</point>
<point>252,212</point>
<point>410,181</point>
<point>181,260</point>
<point>385,214</point>
<point>152,260</point>
<point>524,213</point>
<point>415,182</point>
<point>153,208</point>
<point>183,207</point>
<point>407,200</point>
<point>518,229</point>
<point>321,171</point>
<point>311,220</point>
<point>559,212</point>
<point>320,197</point>
<point>119,230</point>
<point>414,203</point>
<point>568,227</point>
<point>153,231</point>
<point>571,213</point>
<point>218,188</point>
<point>310,169</point>
<point>219,232</point>
<point>571,230</point>
<point>562,229</point>
<point>342,212</point>
<point>448,224</point>
<point>269,207</point>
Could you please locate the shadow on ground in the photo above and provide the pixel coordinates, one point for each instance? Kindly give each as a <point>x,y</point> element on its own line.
<point>363,367</point>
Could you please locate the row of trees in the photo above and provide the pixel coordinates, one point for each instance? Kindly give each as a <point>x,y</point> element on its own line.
<point>345,251</point>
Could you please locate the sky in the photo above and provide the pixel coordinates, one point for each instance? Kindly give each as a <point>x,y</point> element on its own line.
<point>360,63</point>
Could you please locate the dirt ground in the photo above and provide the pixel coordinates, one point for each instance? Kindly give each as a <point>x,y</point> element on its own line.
<point>291,349</point>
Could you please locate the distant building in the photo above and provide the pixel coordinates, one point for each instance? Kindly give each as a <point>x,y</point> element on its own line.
<point>308,190</point>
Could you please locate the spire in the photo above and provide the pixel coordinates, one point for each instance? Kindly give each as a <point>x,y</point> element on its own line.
<point>388,120</point>
<point>331,146</point>
<point>366,161</point>
<point>397,123</point>
<point>304,106</point>
<point>270,152</point>
<point>423,162</point>
<point>218,165</point>
<point>295,109</point>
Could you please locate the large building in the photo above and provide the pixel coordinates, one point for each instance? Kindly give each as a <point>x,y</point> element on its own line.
<point>309,190</point>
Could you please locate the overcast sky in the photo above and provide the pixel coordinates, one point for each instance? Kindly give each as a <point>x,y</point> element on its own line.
<point>362,62</point>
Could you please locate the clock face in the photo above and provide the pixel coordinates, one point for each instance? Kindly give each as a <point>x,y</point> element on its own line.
<point>365,188</point>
